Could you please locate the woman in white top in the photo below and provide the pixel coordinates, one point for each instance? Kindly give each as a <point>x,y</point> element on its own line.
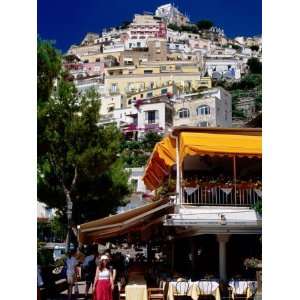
<point>103,282</point>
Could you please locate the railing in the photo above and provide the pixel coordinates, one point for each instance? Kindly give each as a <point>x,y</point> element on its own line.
<point>221,195</point>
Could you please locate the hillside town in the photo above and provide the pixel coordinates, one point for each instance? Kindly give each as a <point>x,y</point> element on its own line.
<point>160,70</point>
<point>187,102</point>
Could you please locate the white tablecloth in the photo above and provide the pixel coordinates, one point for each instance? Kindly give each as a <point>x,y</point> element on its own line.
<point>240,287</point>
<point>136,292</point>
<point>194,289</point>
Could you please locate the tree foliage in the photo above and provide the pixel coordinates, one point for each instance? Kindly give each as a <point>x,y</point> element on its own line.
<point>254,65</point>
<point>254,48</point>
<point>136,153</point>
<point>204,24</point>
<point>48,68</point>
<point>186,28</point>
<point>76,156</point>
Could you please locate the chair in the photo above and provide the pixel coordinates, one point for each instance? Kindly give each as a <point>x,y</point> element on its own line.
<point>155,294</point>
<point>182,288</point>
<point>159,293</point>
<point>122,295</point>
<point>242,285</point>
<point>205,287</point>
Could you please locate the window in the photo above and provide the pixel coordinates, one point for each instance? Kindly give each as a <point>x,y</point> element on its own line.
<point>86,61</point>
<point>163,68</point>
<point>97,59</point>
<point>142,95</point>
<point>148,71</point>
<point>164,91</point>
<point>203,124</point>
<point>138,44</point>
<point>151,116</point>
<point>114,87</point>
<point>129,101</point>
<point>149,94</point>
<point>183,113</point>
<point>203,110</point>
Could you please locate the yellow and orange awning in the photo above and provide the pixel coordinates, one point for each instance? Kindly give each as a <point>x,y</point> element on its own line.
<point>162,158</point>
<point>218,142</point>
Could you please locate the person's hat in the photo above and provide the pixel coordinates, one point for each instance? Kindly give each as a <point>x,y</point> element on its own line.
<point>104,257</point>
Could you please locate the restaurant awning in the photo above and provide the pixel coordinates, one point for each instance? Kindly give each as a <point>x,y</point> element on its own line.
<point>198,141</point>
<point>122,223</point>
<point>162,158</point>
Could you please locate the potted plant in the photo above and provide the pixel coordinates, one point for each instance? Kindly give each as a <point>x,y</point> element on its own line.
<point>256,264</point>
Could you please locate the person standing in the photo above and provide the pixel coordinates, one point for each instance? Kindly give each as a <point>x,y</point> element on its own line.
<point>103,282</point>
<point>71,263</point>
<point>89,268</point>
<point>40,282</point>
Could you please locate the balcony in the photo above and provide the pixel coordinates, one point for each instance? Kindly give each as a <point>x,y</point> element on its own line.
<point>241,195</point>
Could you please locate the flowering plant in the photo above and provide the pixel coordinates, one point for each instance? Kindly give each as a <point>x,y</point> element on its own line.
<point>138,103</point>
<point>252,263</point>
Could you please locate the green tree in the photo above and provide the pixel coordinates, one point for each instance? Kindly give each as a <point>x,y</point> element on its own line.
<point>205,24</point>
<point>174,27</point>
<point>137,153</point>
<point>125,24</point>
<point>48,68</point>
<point>58,227</point>
<point>254,48</point>
<point>254,65</point>
<point>75,153</point>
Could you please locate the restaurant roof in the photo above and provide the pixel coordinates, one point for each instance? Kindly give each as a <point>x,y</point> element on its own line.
<point>200,141</point>
<point>122,223</point>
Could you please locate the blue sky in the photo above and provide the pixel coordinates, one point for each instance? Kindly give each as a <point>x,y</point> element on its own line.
<point>67,21</point>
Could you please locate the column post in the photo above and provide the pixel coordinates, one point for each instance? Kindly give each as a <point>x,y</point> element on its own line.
<point>178,173</point>
<point>172,255</point>
<point>222,240</point>
<point>193,252</point>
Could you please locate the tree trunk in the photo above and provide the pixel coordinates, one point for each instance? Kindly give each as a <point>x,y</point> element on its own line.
<point>70,207</point>
<point>69,216</point>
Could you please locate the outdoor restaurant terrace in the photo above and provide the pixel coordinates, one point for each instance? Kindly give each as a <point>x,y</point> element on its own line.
<point>202,229</point>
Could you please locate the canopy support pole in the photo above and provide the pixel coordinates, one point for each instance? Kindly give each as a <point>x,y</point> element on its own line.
<point>178,173</point>
<point>234,177</point>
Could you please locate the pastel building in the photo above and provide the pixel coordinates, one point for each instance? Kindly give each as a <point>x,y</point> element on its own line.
<point>210,108</point>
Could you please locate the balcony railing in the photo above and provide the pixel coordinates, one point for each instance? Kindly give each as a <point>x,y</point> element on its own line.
<point>222,195</point>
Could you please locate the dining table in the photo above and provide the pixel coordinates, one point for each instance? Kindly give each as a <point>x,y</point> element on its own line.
<point>242,287</point>
<point>136,288</point>
<point>194,289</point>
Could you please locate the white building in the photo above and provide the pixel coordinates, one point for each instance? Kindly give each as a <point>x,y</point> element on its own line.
<point>154,114</point>
<point>135,178</point>
<point>44,212</point>
<point>178,46</point>
<point>222,66</point>
<point>212,109</point>
<point>171,14</point>
<point>114,47</point>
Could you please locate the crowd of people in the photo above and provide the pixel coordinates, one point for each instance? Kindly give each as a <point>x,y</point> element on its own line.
<point>106,273</point>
